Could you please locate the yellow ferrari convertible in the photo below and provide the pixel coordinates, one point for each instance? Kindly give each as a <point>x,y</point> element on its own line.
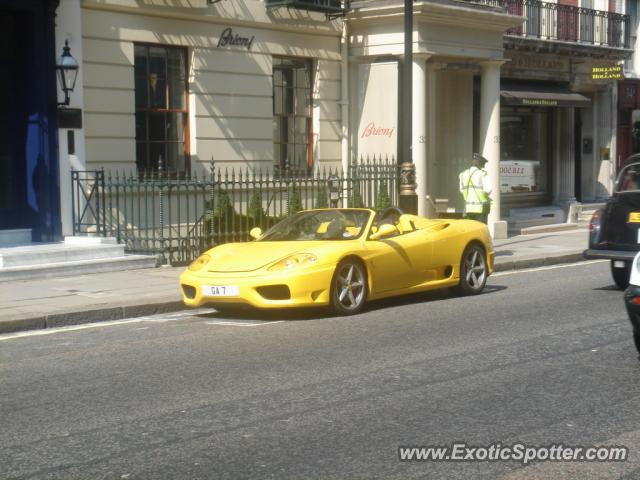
<point>341,257</point>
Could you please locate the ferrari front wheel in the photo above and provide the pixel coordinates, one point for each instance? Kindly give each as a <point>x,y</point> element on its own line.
<point>349,288</point>
<point>473,270</point>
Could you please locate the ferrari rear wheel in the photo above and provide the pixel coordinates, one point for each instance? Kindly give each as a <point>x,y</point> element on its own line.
<point>349,287</point>
<point>621,274</point>
<point>473,270</point>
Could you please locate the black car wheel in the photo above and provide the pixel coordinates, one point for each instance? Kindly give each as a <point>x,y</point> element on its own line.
<point>349,287</point>
<point>473,271</point>
<point>636,339</point>
<point>621,274</point>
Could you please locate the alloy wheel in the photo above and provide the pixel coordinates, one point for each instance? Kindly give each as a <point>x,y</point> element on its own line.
<point>349,288</point>
<point>473,270</point>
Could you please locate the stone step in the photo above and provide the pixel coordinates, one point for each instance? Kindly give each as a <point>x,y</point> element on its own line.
<point>53,253</point>
<point>517,225</point>
<point>48,270</point>
<point>15,237</point>
<point>521,219</point>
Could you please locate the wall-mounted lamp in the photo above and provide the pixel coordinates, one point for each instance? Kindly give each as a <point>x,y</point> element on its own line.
<point>67,72</point>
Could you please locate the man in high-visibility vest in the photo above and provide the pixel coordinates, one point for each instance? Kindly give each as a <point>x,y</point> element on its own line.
<point>475,186</point>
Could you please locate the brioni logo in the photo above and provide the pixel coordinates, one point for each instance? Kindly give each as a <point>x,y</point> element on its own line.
<point>371,130</point>
<point>228,38</point>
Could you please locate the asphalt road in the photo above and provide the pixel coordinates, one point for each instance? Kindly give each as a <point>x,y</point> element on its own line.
<point>543,357</point>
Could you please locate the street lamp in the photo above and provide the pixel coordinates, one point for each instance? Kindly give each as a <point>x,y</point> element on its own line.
<point>408,199</point>
<point>67,72</point>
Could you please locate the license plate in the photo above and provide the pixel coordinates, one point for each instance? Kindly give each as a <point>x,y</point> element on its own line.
<point>634,217</point>
<point>220,290</point>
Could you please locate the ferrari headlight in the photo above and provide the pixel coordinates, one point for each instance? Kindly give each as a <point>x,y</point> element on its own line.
<point>199,262</point>
<point>293,261</point>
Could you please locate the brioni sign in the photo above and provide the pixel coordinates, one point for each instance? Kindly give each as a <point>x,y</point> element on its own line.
<point>228,38</point>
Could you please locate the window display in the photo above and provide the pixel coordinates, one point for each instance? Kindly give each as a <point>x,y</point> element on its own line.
<point>524,160</point>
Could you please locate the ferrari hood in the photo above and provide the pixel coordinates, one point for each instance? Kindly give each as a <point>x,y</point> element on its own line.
<point>250,256</point>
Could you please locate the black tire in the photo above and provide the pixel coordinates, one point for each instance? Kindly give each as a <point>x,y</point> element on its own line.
<point>349,287</point>
<point>636,340</point>
<point>473,270</point>
<point>621,274</point>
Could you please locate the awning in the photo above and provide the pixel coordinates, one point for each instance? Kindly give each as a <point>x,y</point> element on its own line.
<point>541,94</point>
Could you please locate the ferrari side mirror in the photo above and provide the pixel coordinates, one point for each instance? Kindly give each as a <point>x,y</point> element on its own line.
<point>384,230</point>
<point>255,233</point>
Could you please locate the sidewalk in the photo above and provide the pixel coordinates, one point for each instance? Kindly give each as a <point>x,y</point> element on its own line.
<point>55,302</point>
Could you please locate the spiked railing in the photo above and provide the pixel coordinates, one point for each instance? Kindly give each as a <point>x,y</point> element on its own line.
<point>566,23</point>
<point>177,218</point>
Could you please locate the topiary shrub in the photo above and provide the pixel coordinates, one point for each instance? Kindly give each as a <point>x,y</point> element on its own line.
<point>255,213</point>
<point>321,198</point>
<point>355,200</point>
<point>294,201</point>
<point>383,201</point>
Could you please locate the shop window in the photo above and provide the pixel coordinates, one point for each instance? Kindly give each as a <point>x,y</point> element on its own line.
<point>292,126</point>
<point>524,151</point>
<point>161,109</point>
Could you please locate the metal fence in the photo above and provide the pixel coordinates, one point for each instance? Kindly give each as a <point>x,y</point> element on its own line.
<point>566,23</point>
<point>177,218</point>
<point>553,21</point>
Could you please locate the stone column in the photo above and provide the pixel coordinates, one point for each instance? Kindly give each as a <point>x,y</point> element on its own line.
<point>420,138</point>
<point>69,28</point>
<point>432,121</point>
<point>565,170</point>
<point>490,139</point>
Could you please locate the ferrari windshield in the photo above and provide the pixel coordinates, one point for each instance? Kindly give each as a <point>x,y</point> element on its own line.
<point>319,225</point>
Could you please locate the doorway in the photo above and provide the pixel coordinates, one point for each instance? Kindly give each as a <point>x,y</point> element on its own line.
<point>14,44</point>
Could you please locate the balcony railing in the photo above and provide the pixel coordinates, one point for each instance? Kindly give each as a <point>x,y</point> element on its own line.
<point>325,6</point>
<point>566,23</point>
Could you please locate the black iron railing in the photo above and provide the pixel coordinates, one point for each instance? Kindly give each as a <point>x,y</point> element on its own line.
<point>552,21</point>
<point>179,218</point>
<point>87,198</point>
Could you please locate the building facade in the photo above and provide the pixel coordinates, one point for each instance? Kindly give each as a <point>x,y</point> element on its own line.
<point>554,140</point>
<point>172,86</point>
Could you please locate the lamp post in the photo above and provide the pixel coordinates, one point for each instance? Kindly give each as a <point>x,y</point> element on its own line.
<point>67,69</point>
<point>408,198</point>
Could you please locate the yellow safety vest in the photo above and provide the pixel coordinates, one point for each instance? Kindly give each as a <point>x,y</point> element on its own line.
<point>473,190</point>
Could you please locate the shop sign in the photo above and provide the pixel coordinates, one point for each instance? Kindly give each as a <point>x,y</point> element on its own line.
<point>607,72</point>
<point>539,63</point>
<point>377,132</point>
<point>540,102</point>
<point>228,38</point>
<point>518,176</point>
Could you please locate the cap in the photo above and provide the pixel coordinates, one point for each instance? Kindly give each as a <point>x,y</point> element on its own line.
<point>480,158</point>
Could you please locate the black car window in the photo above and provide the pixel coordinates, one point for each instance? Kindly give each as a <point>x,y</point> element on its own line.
<point>629,179</point>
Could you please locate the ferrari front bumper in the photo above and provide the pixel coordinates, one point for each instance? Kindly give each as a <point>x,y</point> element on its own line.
<point>302,287</point>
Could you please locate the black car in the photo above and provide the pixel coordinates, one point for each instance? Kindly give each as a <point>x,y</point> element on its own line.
<point>632,300</point>
<point>614,231</point>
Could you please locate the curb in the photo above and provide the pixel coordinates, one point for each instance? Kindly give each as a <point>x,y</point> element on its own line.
<point>508,265</point>
<point>131,311</point>
<point>89,316</point>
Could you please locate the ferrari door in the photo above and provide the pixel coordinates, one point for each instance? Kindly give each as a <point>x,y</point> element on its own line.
<point>399,262</point>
